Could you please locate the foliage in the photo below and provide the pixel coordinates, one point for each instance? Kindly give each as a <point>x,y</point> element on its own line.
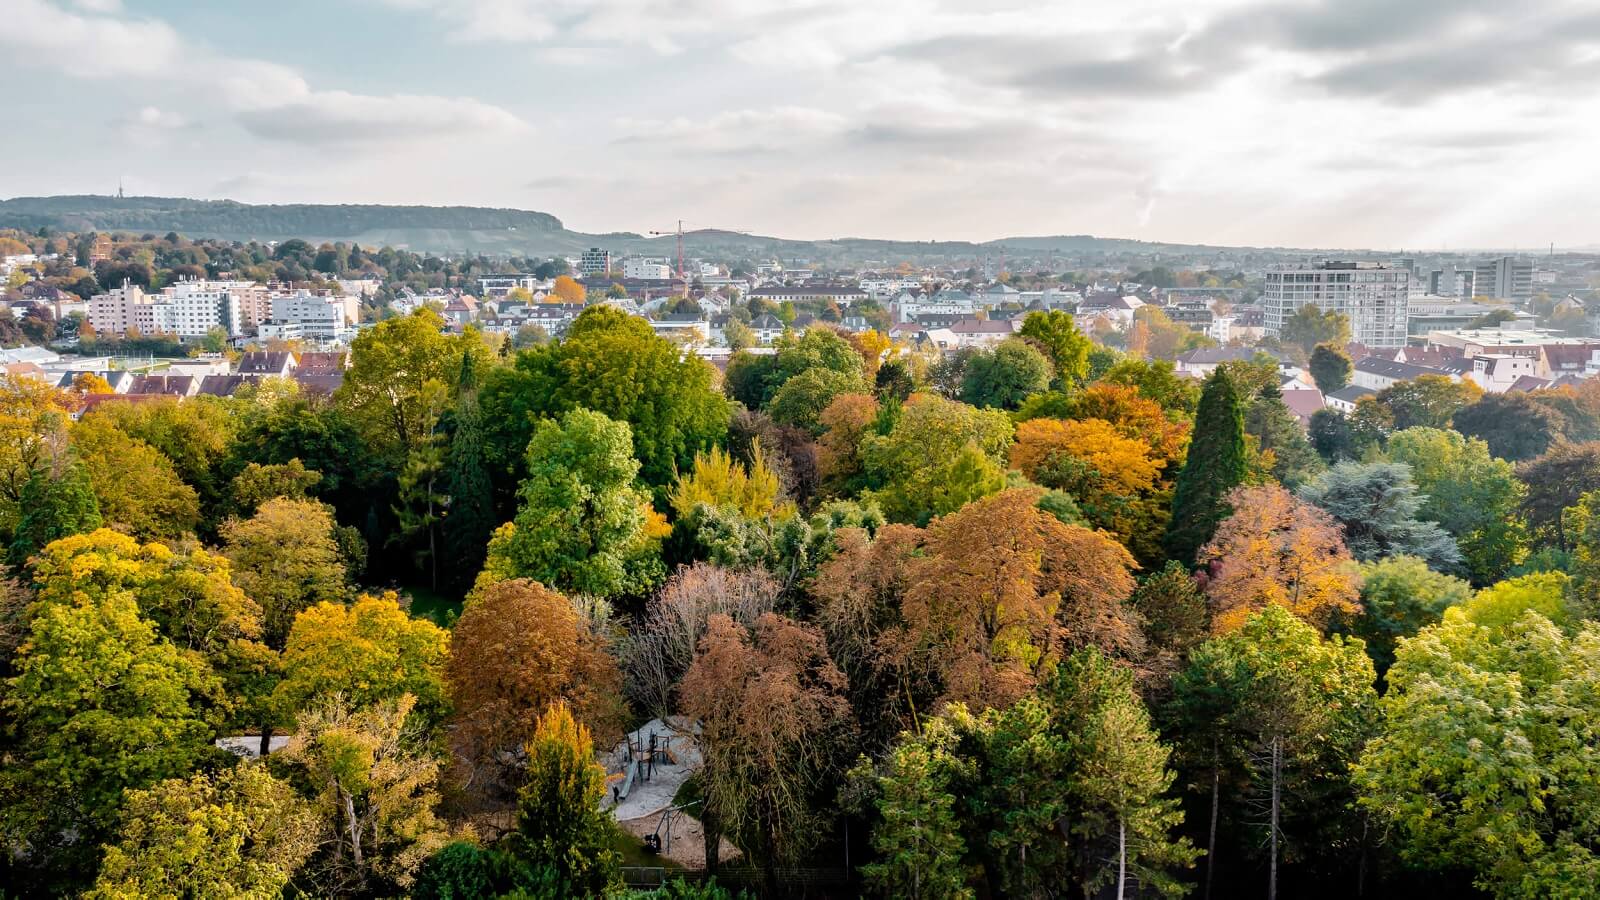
<point>137,488</point>
<point>1215,466</point>
<point>1400,596</point>
<point>53,506</point>
<point>1310,326</point>
<point>1063,344</point>
<point>1471,494</point>
<point>1159,382</point>
<point>1280,440</point>
<point>1330,367</point>
<point>1554,482</point>
<point>517,649</point>
<point>1514,425</point>
<point>718,480</point>
<point>918,838</point>
<point>1429,401</point>
<point>803,398</point>
<point>938,456</point>
<point>238,834</point>
<point>470,516</point>
<point>581,520</point>
<point>1003,377</point>
<point>364,654</point>
<point>286,559</point>
<point>399,370</point>
<point>1332,436</point>
<point>259,483</point>
<point>1377,504</point>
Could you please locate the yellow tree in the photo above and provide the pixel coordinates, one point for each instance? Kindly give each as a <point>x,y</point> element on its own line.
<point>33,420</point>
<point>1278,550</point>
<point>568,290</point>
<point>719,480</point>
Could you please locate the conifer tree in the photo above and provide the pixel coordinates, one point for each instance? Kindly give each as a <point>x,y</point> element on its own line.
<point>1216,465</point>
<point>53,506</point>
<point>470,519</point>
<point>562,834</point>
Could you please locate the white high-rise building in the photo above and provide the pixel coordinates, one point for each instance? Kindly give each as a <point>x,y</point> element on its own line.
<point>1373,296</point>
<point>319,318</point>
<point>595,261</point>
<point>645,267</point>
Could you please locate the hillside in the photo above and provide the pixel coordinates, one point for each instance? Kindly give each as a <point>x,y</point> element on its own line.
<point>514,232</point>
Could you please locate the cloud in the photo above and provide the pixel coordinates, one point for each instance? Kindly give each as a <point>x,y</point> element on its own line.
<point>770,130</point>
<point>268,99</point>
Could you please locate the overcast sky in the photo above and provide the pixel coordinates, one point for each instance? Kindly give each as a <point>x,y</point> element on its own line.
<point>1322,123</point>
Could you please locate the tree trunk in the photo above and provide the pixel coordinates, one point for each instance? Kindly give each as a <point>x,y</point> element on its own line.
<point>266,739</point>
<point>354,827</point>
<point>712,837</point>
<point>1277,768</point>
<point>1122,858</point>
<point>1216,792</point>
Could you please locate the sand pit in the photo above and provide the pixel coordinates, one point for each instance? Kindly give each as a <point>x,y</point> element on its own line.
<point>687,844</point>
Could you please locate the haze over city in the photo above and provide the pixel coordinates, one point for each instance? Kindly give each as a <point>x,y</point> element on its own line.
<point>1425,124</point>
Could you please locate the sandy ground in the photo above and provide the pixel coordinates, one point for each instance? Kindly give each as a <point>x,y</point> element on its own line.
<point>687,846</point>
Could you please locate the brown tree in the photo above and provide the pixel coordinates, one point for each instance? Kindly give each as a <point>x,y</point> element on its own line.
<point>1004,589</point>
<point>774,723</point>
<point>658,653</point>
<point>844,423</point>
<point>1276,549</point>
<point>518,648</point>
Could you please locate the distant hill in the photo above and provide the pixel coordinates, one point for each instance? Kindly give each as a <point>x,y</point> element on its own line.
<point>507,232</point>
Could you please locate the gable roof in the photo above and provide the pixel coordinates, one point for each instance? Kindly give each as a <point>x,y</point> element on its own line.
<point>266,362</point>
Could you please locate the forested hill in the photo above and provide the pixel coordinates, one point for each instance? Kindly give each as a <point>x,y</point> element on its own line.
<point>514,232</point>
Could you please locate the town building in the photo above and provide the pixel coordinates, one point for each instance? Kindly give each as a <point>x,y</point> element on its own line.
<point>1373,296</point>
<point>595,261</point>
<point>1504,278</point>
<point>646,268</point>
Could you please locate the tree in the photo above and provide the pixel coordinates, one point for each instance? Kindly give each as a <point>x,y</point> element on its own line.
<point>1429,401</point>
<point>259,483</point>
<point>803,398</point>
<point>1471,494</point>
<point>194,435</point>
<point>1173,612</point>
<point>1157,381</point>
<point>1330,367</point>
<point>773,719</point>
<point>1107,473</point>
<point>1555,482</point>
<point>581,521</point>
<point>373,792</point>
<point>1005,376</point>
<point>819,347</point>
<point>1332,436</point>
<point>719,480</point>
<point>937,457</point>
<point>918,839</point>
<point>1067,348</point>
<point>33,423</point>
<point>137,488</point>
<point>845,423</point>
<point>1215,466</point>
<point>1290,712</point>
<point>100,703</point>
<point>286,559</point>
<point>396,383</point>
<point>1400,596</point>
<point>1003,590</point>
<point>1482,757</point>
<point>1310,326</point>
<point>1377,505</point>
<point>364,654</point>
<point>563,838</point>
<point>54,505</point>
<point>517,649</point>
<point>1276,550</point>
<point>1281,440</point>
<point>568,290</point>
<point>240,833</point>
<point>470,517</point>
<point>419,502</point>
<point>1514,425</point>
<point>614,364</point>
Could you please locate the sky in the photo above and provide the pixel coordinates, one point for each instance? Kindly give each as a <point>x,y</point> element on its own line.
<point>1393,124</point>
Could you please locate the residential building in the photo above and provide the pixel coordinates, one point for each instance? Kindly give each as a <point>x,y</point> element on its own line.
<point>113,312</point>
<point>1504,278</point>
<point>595,261</point>
<point>1345,399</point>
<point>1377,373</point>
<point>844,295</point>
<point>1201,362</point>
<point>501,285</point>
<point>647,268</point>
<point>1373,296</point>
<point>321,318</point>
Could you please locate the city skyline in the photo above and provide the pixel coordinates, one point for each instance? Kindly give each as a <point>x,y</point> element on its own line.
<point>1236,122</point>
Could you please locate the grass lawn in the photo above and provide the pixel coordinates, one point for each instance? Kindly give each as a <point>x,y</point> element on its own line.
<point>634,854</point>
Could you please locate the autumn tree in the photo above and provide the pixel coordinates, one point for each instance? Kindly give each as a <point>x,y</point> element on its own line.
<point>1215,466</point>
<point>1107,473</point>
<point>136,487</point>
<point>54,504</point>
<point>364,654</point>
<point>1280,440</point>
<point>1400,596</point>
<point>845,423</point>
<point>1067,348</point>
<point>517,649</point>
<point>563,840</point>
<point>802,399</point>
<point>938,456</point>
<point>257,483</point>
<point>33,434</point>
<point>773,718</point>
<point>398,380</point>
<point>568,290</point>
<point>285,558</point>
<point>1310,326</point>
<point>373,791</point>
<point>1276,550</point>
<point>1157,381</point>
<point>237,833</point>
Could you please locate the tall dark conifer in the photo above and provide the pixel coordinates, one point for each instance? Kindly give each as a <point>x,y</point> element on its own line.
<point>470,519</point>
<point>1216,465</point>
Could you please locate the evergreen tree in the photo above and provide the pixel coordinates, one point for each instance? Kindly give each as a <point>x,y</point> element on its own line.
<point>1330,367</point>
<point>1294,462</point>
<point>53,507</point>
<point>470,519</point>
<point>919,844</point>
<point>1216,465</point>
<point>562,834</point>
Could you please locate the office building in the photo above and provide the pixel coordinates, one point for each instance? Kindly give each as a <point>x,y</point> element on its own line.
<point>646,268</point>
<point>1373,296</point>
<point>595,261</point>
<point>1504,278</point>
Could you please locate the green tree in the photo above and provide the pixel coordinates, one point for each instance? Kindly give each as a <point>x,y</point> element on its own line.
<point>562,836</point>
<point>100,704</point>
<point>1377,504</point>
<point>137,488</point>
<point>1514,425</point>
<point>1332,437</point>
<point>1555,482</point>
<point>1429,401</point>
<point>1158,381</point>
<point>918,838</point>
<point>54,505</point>
<point>1310,326</point>
<point>581,521</point>
<point>470,519</point>
<point>1330,367</point>
<point>259,483</point>
<point>1400,596</point>
<point>1471,494</point>
<point>236,834</point>
<point>1278,432</point>
<point>286,559</point>
<point>937,457</point>
<point>1215,466</point>
<point>1005,376</point>
<point>364,654</point>
<point>397,372</point>
<point>803,398</point>
<point>1067,348</point>
<point>1485,760</point>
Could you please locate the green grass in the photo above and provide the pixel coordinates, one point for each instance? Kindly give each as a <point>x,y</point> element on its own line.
<point>633,852</point>
<point>438,608</point>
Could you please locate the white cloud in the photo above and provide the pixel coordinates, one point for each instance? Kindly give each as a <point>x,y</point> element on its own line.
<point>269,99</point>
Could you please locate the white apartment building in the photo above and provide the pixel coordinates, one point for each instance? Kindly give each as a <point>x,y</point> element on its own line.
<point>595,261</point>
<point>319,318</point>
<point>646,267</point>
<point>196,307</point>
<point>1373,296</point>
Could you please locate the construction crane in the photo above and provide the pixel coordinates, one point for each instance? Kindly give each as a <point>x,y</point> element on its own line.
<point>682,276</point>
